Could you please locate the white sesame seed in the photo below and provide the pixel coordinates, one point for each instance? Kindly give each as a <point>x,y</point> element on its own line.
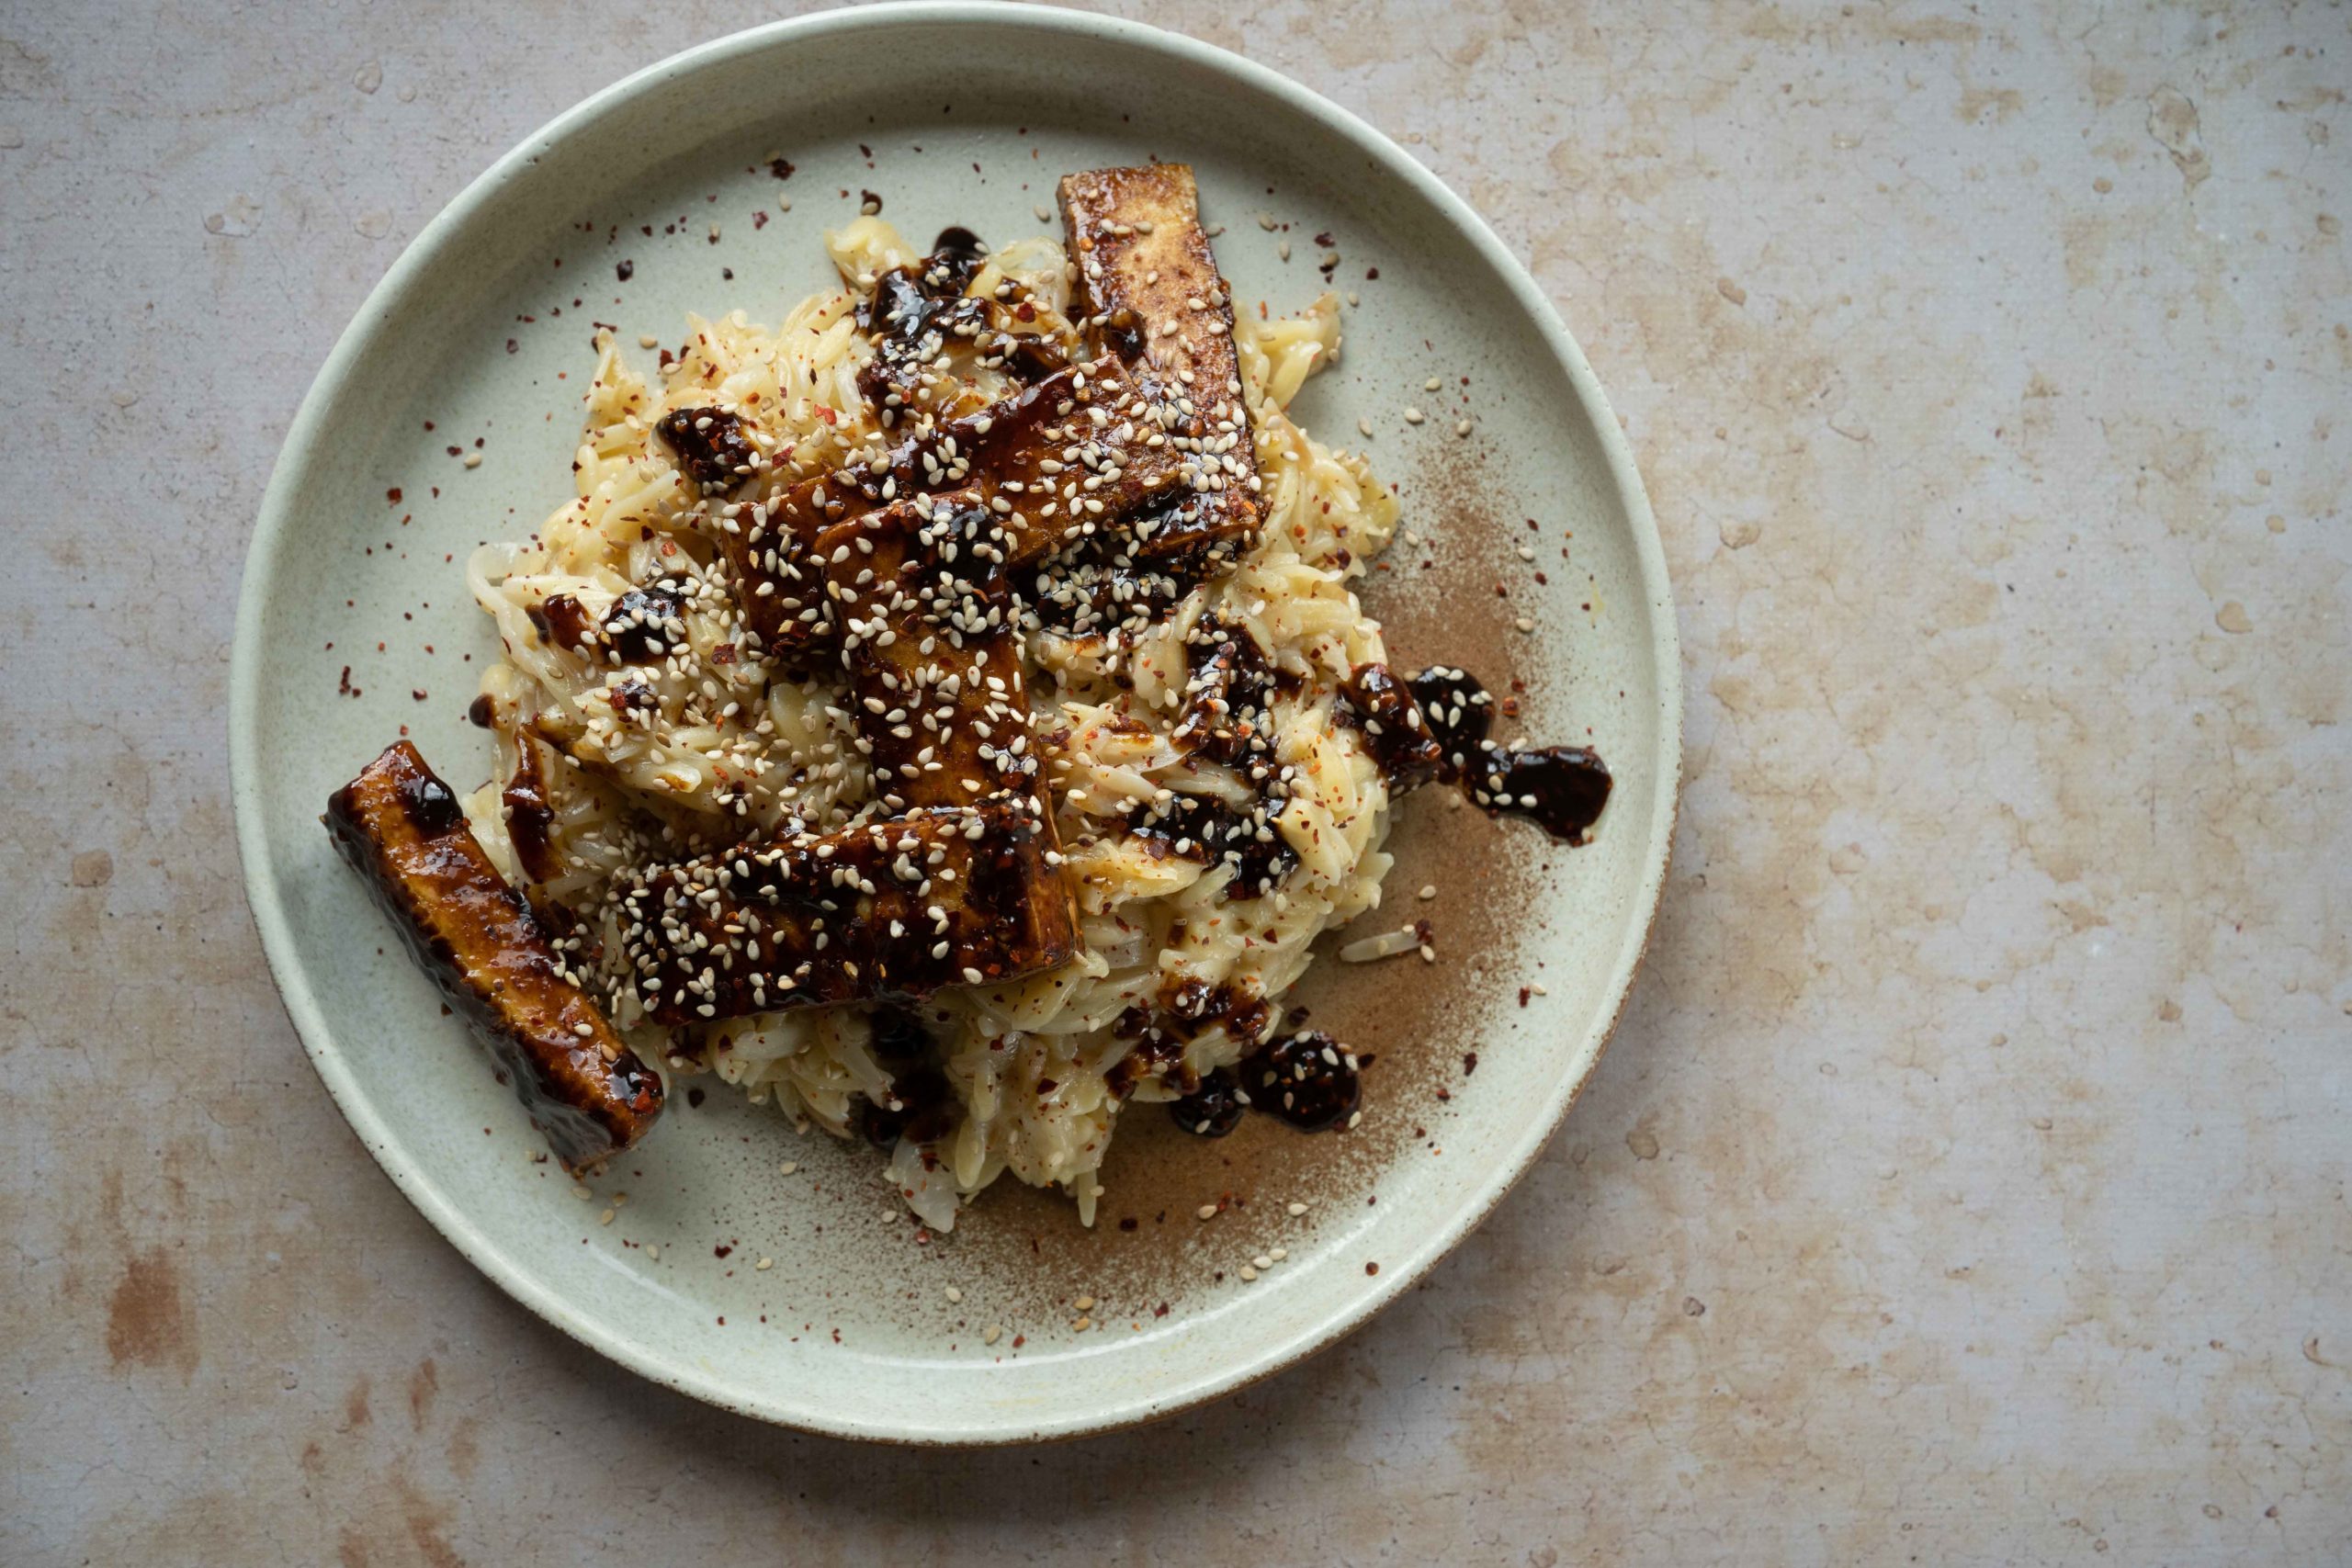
<point>992,1333</point>
<point>1461,427</point>
<point>652,1252</point>
<point>1205,1212</point>
<point>1363,428</point>
<point>1431,385</point>
<point>1413,416</point>
<point>787,1168</point>
<point>1294,1210</point>
<point>473,459</point>
<point>605,1218</point>
<point>1084,1303</point>
<point>1264,1260</point>
<point>1283,250</point>
<point>954,1294</point>
<point>1279,1253</point>
<point>647,340</point>
<point>1248,1273</point>
<point>1429,890</point>
<point>1525,624</point>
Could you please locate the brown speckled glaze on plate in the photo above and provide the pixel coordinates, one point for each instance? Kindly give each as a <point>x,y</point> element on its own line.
<point>851,1329</point>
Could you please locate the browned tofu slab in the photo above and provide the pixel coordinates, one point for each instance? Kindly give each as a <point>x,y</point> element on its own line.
<point>1075,453</point>
<point>401,828</point>
<point>1149,291</point>
<point>923,623</point>
<point>947,896</point>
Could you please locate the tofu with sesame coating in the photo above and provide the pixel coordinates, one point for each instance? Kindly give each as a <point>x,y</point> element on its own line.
<point>1150,292</point>
<point>401,828</point>
<point>1061,459</point>
<point>927,632</point>
<point>892,910</point>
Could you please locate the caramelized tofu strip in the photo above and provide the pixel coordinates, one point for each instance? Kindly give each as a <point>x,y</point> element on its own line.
<point>1150,292</point>
<point>401,828</point>
<point>1075,453</point>
<point>946,896</point>
<point>934,664</point>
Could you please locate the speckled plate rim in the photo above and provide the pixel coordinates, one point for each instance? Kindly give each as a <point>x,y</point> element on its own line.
<point>277,525</point>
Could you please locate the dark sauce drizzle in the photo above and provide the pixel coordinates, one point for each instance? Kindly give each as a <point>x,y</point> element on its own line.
<point>711,446</point>
<point>1436,725</point>
<point>1225,721</point>
<point>916,311</point>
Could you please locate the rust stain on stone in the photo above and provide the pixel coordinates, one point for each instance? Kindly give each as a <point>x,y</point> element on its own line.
<point>148,1319</point>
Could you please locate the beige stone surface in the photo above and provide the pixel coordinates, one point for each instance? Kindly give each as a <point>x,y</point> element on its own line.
<point>1968,1182</point>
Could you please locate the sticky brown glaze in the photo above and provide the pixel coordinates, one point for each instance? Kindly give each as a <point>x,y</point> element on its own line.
<point>646,624</point>
<point>1212,1109</point>
<point>1224,717</point>
<point>916,313</point>
<point>1561,789</point>
<point>711,447</point>
<point>563,622</point>
<point>1394,730</point>
<point>1436,726</point>
<point>1225,720</point>
<point>894,909</point>
<point>1310,1080</point>
<point>402,828</point>
<point>1205,829</point>
<point>530,816</point>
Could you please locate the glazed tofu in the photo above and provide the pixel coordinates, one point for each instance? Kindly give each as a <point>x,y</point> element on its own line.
<point>1073,454</point>
<point>400,827</point>
<point>890,910</point>
<point>1150,292</point>
<point>923,623</point>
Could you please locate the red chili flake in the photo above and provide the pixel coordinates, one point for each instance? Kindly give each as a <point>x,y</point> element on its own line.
<point>1523,994</point>
<point>760,219</point>
<point>1372,1268</point>
<point>418,694</point>
<point>626,270</point>
<point>781,168</point>
<point>1019,1340</point>
<point>1159,1311</point>
<point>393,495</point>
<point>1325,240</point>
<point>720,1252</point>
<point>1469,1062</point>
<point>511,345</point>
<point>694,1098</point>
<point>1372,275</point>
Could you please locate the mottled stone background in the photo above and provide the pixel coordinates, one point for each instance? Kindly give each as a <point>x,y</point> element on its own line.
<point>1968,1182</point>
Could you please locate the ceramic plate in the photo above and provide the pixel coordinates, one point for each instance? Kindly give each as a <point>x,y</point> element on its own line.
<point>478,340</point>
